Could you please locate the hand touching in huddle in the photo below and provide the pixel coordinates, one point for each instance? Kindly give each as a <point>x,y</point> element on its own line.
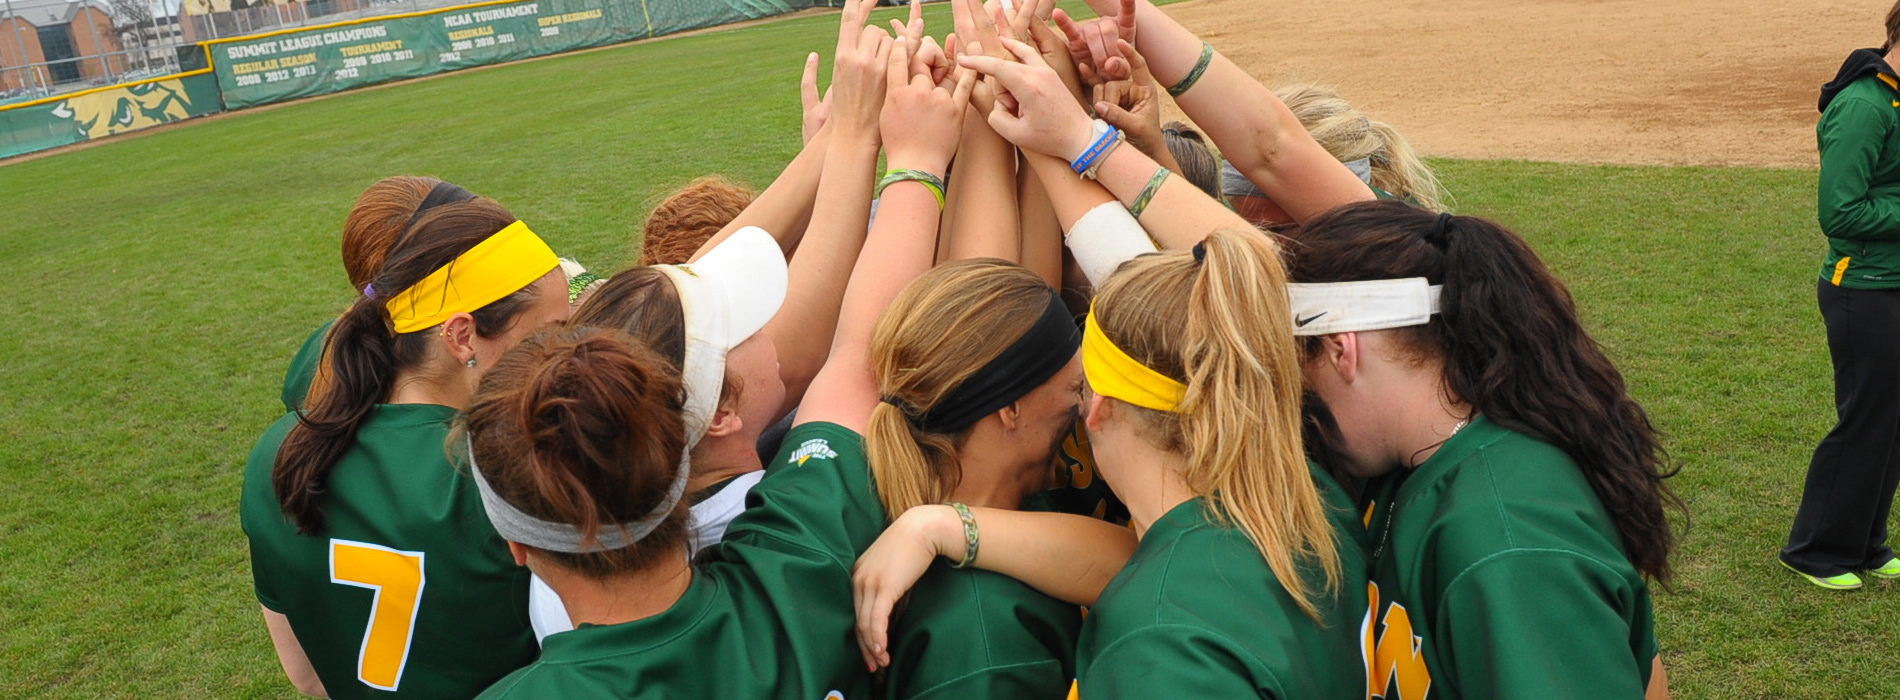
<point>922,120</point>
<point>858,73</point>
<point>1045,118</point>
<point>1094,44</point>
<point>816,109</point>
<point>1134,105</point>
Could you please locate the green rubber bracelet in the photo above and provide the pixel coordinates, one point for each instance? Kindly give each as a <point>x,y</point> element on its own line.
<point>969,535</point>
<point>1194,76</point>
<point>1148,193</point>
<point>929,181</point>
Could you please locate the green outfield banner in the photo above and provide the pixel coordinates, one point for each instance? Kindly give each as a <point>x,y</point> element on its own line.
<point>98,113</point>
<point>328,59</point>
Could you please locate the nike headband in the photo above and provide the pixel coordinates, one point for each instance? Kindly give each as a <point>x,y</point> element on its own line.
<point>1372,305</point>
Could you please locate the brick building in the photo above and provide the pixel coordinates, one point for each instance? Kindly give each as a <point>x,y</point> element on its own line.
<point>71,42</point>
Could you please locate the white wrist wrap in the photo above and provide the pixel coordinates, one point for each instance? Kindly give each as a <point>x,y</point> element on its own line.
<point>1105,238</point>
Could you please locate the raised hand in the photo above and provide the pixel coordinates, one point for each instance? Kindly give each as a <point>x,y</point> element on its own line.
<point>1045,118</point>
<point>858,73</point>
<point>816,109</point>
<point>1133,105</point>
<point>1093,44</point>
<point>922,120</point>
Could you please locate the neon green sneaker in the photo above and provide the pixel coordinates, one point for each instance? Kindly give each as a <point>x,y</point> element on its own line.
<point>1844,582</point>
<point>1891,569</point>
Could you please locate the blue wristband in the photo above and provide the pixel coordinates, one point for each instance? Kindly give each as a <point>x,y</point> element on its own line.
<point>1104,139</point>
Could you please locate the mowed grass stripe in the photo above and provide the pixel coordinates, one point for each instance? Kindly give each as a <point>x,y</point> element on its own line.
<point>156,286</point>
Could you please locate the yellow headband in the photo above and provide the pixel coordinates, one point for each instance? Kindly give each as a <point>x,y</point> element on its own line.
<point>511,259</point>
<point>1114,374</point>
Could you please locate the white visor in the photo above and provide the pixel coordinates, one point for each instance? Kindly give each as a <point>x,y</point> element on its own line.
<point>727,295</point>
<point>1345,307</point>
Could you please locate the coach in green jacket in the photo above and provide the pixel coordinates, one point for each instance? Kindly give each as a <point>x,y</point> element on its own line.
<point>1841,528</point>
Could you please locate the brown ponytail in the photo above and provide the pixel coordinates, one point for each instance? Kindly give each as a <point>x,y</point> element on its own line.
<point>944,327</point>
<point>380,216</point>
<point>584,427</point>
<point>364,355</point>
<point>1223,327</point>
<point>1513,348</point>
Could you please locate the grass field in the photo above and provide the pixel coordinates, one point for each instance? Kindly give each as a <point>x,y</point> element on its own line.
<point>156,287</point>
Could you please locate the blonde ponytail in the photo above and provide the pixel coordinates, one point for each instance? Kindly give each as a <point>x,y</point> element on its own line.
<point>1239,423</point>
<point>1350,135</point>
<point>937,333</point>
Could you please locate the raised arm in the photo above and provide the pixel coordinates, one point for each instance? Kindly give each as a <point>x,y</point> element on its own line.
<point>1067,557</point>
<point>1252,127</point>
<point>920,123</point>
<point>1176,213</point>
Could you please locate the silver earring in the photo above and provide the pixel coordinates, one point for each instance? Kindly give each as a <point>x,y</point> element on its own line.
<point>471,363</point>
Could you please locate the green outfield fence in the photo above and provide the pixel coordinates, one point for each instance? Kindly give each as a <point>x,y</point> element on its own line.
<point>246,71</point>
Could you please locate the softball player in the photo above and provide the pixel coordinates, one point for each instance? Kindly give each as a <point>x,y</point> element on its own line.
<point>1516,503</point>
<point>1248,579</point>
<point>376,570</point>
<point>764,614</point>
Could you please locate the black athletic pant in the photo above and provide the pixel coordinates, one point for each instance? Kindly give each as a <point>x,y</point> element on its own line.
<point>1842,524</point>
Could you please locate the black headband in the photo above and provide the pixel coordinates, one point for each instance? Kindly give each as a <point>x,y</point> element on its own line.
<point>442,193</point>
<point>1042,351</point>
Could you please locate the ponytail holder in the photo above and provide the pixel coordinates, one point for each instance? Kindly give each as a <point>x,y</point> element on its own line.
<point>369,290</point>
<point>901,404</point>
<point>1200,252</point>
<point>1439,229</point>
<point>442,193</point>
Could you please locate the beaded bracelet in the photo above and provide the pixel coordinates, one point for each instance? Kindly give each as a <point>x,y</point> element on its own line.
<point>969,535</point>
<point>929,181</point>
<point>1194,76</point>
<point>1105,137</point>
<point>1148,193</point>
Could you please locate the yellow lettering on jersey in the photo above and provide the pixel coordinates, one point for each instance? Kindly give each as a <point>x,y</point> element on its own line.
<point>397,578</point>
<point>1368,516</point>
<point>1397,670</point>
<point>1075,690</point>
<point>1079,457</point>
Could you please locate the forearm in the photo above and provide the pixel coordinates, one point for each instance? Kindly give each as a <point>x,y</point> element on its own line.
<point>1250,125</point>
<point>1179,215</point>
<point>290,654</point>
<point>802,330</point>
<point>1070,195</point>
<point>1041,232</point>
<point>985,224</point>
<point>1067,557</point>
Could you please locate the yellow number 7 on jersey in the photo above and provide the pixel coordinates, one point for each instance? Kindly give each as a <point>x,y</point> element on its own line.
<point>396,576</point>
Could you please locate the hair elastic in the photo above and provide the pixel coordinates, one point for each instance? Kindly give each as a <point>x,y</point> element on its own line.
<point>1440,228</point>
<point>1200,252</point>
<point>1042,351</point>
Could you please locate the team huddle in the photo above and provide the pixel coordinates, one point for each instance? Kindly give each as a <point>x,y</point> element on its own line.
<point>1062,402</point>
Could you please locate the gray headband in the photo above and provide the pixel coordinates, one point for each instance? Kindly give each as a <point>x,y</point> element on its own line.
<point>1235,184</point>
<point>516,526</point>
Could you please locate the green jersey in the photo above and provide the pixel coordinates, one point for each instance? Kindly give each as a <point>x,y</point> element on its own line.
<point>1498,574</point>
<point>967,633</point>
<point>409,592</point>
<point>769,612</point>
<point>303,368</point>
<point>1197,614</point>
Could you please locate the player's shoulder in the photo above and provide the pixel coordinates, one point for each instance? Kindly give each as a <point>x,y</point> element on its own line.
<point>1518,493</point>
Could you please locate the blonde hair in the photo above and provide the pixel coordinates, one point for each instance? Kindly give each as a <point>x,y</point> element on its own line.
<point>1223,328</point>
<point>940,330</point>
<point>1350,135</point>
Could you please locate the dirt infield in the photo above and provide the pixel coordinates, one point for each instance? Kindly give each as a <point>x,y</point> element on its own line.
<point>1598,81</point>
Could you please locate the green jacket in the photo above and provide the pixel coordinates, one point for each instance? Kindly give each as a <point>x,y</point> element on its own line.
<point>1859,198</point>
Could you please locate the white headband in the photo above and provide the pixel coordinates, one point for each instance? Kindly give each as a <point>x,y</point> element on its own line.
<point>516,526</point>
<point>1344,307</point>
